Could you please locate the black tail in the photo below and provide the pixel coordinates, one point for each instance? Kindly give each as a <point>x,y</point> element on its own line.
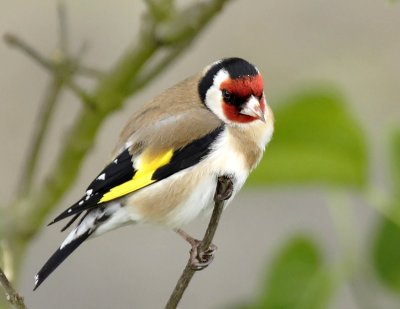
<point>58,257</point>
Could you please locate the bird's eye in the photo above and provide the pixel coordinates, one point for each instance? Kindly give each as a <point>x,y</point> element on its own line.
<point>227,96</point>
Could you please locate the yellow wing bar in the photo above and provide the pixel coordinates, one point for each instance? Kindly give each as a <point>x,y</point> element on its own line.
<point>147,165</point>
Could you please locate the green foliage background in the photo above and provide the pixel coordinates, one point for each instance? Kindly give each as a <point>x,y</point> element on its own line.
<point>319,141</point>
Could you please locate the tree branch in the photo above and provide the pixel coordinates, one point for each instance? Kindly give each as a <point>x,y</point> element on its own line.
<point>36,143</point>
<point>160,9</point>
<point>62,70</point>
<point>189,21</point>
<point>90,72</point>
<point>63,28</point>
<point>147,75</point>
<point>16,42</point>
<point>223,185</point>
<point>11,294</point>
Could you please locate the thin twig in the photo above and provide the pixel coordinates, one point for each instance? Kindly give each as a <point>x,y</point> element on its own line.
<point>43,119</point>
<point>62,71</point>
<point>83,69</point>
<point>87,71</point>
<point>160,9</point>
<point>63,28</point>
<point>188,272</point>
<point>81,93</point>
<point>16,42</point>
<point>179,29</point>
<point>148,75</point>
<point>11,294</point>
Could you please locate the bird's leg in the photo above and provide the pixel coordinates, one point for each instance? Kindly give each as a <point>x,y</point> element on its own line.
<point>199,259</point>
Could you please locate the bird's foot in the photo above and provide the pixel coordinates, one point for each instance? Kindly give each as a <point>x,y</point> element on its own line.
<point>224,188</point>
<point>200,259</point>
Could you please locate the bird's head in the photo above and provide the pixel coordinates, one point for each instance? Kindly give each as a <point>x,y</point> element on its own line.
<point>233,89</point>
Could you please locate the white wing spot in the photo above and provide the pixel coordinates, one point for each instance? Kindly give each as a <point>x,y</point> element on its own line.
<point>87,197</point>
<point>69,210</point>
<point>102,177</point>
<point>89,192</point>
<point>115,161</point>
<point>80,203</point>
<point>128,144</point>
<point>36,279</point>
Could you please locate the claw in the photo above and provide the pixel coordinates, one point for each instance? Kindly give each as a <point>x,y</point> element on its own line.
<point>198,259</point>
<point>201,259</point>
<point>224,188</point>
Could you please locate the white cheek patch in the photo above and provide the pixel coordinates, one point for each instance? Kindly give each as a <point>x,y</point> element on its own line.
<point>220,77</point>
<point>214,95</point>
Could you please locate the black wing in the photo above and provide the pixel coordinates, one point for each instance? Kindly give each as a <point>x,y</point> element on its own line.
<point>121,170</point>
<point>117,172</point>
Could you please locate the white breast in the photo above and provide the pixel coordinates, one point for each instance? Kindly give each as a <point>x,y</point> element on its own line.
<point>223,160</point>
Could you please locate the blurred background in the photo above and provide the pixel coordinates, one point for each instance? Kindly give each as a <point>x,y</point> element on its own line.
<point>316,225</point>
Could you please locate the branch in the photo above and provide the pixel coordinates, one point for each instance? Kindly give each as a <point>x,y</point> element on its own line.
<point>62,27</point>
<point>11,294</point>
<point>189,21</point>
<point>224,183</point>
<point>90,72</point>
<point>160,9</point>
<point>36,143</point>
<point>16,42</point>
<point>62,71</point>
<point>148,75</point>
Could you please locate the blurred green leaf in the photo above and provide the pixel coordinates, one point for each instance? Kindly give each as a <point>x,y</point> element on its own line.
<point>316,140</point>
<point>386,249</point>
<point>386,254</point>
<point>298,280</point>
<point>395,161</point>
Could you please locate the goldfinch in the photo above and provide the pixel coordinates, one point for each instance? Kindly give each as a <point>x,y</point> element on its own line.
<point>171,153</point>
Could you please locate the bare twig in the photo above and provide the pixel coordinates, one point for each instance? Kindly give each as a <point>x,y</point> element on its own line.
<point>188,272</point>
<point>87,71</point>
<point>147,75</point>
<point>16,42</point>
<point>63,28</point>
<point>160,9</point>
<point>60,75</point>
<point>81,93</point>
<point>11,294</point>
<point>36,143</point>
<point>188,22</point>
<point>62,70</point>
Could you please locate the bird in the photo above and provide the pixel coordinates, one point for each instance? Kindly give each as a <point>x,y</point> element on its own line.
<point>170,155</point>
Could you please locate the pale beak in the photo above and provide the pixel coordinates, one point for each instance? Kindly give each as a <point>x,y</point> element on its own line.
<point>252,108</point>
